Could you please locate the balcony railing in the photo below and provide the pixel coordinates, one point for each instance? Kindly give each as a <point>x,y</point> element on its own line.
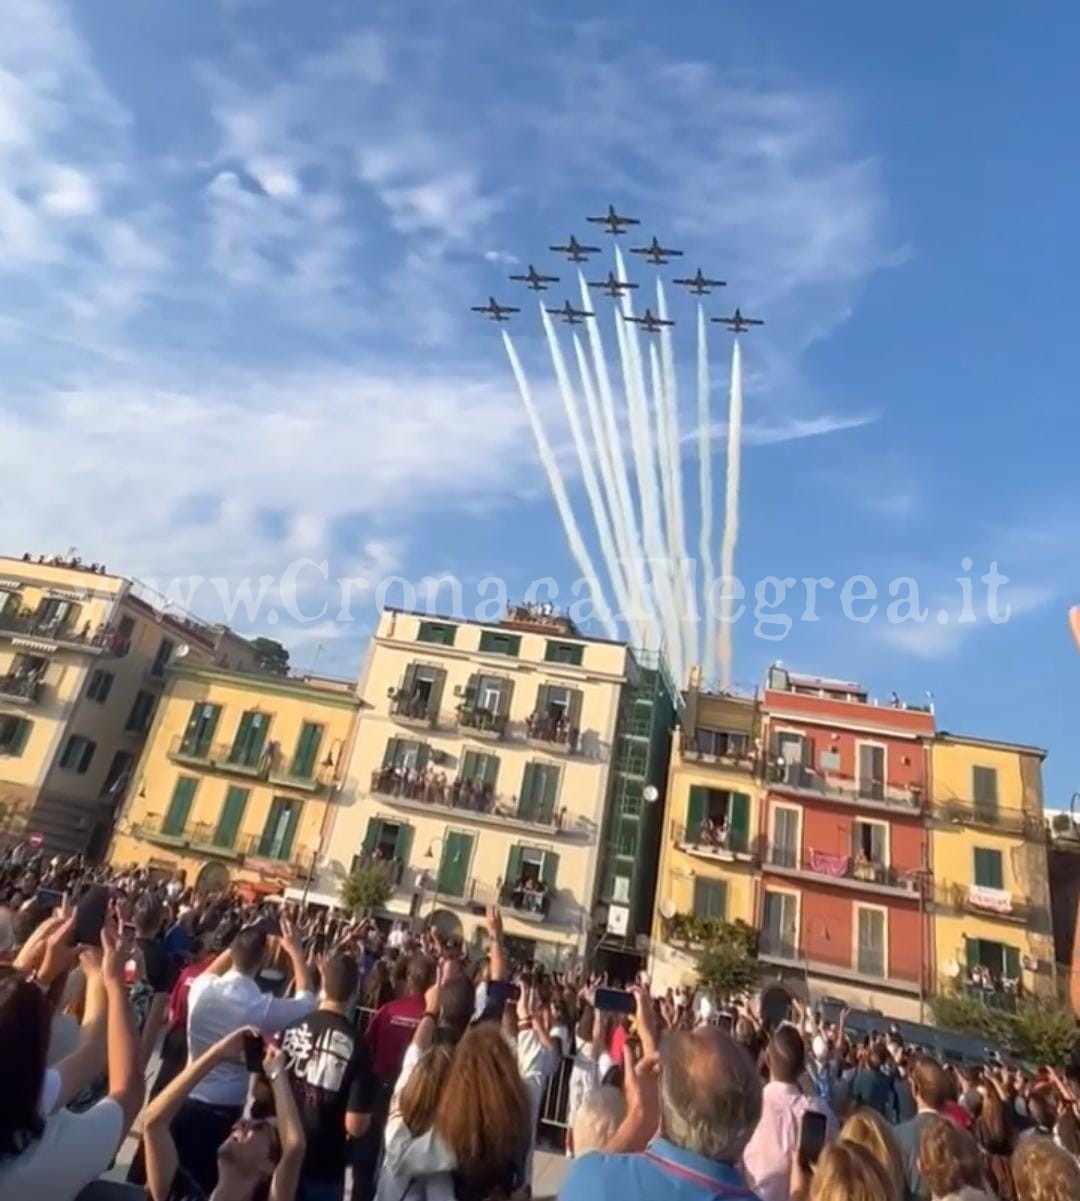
<point>154,828</point>
<point>478,895</point>
<point>552,733</point>
<point>1004,1001</point>
<point>459,796</point>
<point>220,756</point>
<point>21,690</point>
<point>986,902</point>
<point>294,862</point>
<point>528,906</point>
<point>745,760</point>
<point>994,817</point>
<point>412,709</point>
<point>204,840</point>
<point>843,870</point>
<point>28,624</point>
<point>481,723</point>
<point>862,965</point>
<point>868,794</point>
<point>724,846</point>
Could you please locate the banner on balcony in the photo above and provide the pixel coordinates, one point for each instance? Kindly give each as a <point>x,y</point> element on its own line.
<point>997,900</point>
<point>829,865</point>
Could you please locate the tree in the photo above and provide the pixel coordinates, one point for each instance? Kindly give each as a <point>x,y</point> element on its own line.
<point>367,887</point>
<point>1045,1033</point>
<point>271,656</point>
<point>728,964</point>
<point>966,1015</point>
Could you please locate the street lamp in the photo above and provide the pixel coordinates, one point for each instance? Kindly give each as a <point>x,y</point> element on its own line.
<point>430,854</point>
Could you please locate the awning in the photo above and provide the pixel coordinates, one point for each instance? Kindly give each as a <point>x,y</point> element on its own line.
<point>329,899</point>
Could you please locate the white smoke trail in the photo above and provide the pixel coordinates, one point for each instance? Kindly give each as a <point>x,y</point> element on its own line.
<point>673,455</point>
<point>558,490</point>
<point>731,505</point>
<point>645,461</point>
<point>708,576</point>
<point>612,433</point>
<point>588,472</point>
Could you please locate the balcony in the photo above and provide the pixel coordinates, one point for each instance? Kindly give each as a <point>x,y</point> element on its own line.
<point>203,842</point>
<point>720,847</point>
<point>25,628</point>
<point>843,871</point>
<point>258,856</point>
<point>218,756</point>
<point>865,967</point>
<point>985,902</point>
<point>806,783</point>
<point>22,690</point>
<point>414,709</point>
<point>525,905</point>
<point>553,734</point>
<point>394,868</point>
<point>743,761</point>
<point>481,723</point>
<point>466,800</point>
<point>309,784</point>
<point>989,817</point>
<point>153,829</point>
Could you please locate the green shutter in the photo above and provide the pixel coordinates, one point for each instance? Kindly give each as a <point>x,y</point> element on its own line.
<point>290,829</point>
<point>17,743</point>
<point>390,757</point>
<point>250,738</point>
<point>696,812</point>
<point>433,631</point>
<point>574,711</point>
<point>1012,963</point>
<point>471,768</point>
<point>180,805</point>
<point>989,870</point>
<point>549,869</point>
<point>710,899</point>
<point>403,844</point>
<point>307,751</point>
<point>371,838</point>
<point>542,700</point>
<point>971,951</point>
<point>231,814</point>
<point>739,822</point>
<point>984,785</point>
<point>550,779</point>
<point>513,867</point>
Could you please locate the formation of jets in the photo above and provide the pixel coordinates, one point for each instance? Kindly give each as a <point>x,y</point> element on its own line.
<point>570,315</point>
<point>616,223</point>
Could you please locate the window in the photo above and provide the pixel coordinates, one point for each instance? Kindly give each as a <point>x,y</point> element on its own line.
<point>710,899</point>
<point>984,789</point>
<point>437,632</point>
<point>539,787</point>
<point>453,877</point>
<point>530,878</point>
<point>232,813</point>
<point>492,643</point>
<point>118,775</point>
<point>620,887</point>
<point>870,844</point>
<point>280,830</point>
<point>989,868</point>
<point>871,771</point>
<point>100,686</point>
<point>164,652</point>
<point>1000,960</point>
<point>478,768</point>
<point>78,753</point>
<point>626,836</point>
<point>785,848</point>
<point>56,616</point>
<point>199,734</point>
<point>126,627</point>
<point>420,693</point>
<point>180,806</point>
<point>718,818</point>
<point>870,934</point>
<point>14,731</point>
<point>406,754</point>
<point>247,747</point>
<point>307,751</point>
<point>779,929</point>
<point>141,712</point>
<point>387,841</point>
<point>791,750</point>
<point>564,652</point>
<point>721,743</point>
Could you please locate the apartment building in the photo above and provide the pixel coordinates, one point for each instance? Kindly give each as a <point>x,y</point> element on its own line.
<point>481,772</point>
<point>239,777</point>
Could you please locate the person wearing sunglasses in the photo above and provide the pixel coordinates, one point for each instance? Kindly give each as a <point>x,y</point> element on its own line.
<point>260,1158</point>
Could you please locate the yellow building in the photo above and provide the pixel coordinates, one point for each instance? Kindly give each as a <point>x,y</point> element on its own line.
<point>991,915</point>
<point>709,855</point>
<point>480,774</point>
<point>238,778</point>
<point>82,663</point>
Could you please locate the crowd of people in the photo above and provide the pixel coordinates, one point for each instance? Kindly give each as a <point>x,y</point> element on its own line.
<point>275,1051</point>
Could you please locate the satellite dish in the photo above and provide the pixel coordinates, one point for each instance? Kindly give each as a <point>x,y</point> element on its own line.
<point>667,908</point>
<point>182,651</point>
<point>651,794</point>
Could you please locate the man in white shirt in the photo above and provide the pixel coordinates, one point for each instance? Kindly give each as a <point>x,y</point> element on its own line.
<point>223,999</point>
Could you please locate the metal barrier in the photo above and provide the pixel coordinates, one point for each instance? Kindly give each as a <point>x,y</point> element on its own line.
<point>555,1103</point>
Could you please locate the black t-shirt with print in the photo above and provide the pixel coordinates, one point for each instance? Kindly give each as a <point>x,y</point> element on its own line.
<point>331,1075</point>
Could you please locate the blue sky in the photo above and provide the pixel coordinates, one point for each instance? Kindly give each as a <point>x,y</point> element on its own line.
<point>238,242</point>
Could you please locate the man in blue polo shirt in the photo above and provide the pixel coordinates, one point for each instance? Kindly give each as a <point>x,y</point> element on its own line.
<point>710,1105</point>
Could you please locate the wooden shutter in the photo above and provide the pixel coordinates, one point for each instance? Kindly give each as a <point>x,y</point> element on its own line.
<point>989,871</point>
<point>390,757</point>
<point>18,739</point>
<point>1012,963</point>
<point>409,680</point>
<point>468,701</point>
<point>542,700</point>
<point>231,814</point>
<point>290,829</point>
<point>550,778</point>
<point>180,805</point>
<point>984,783</point>
<point>710,898</point>
<point>513,866</point>
<point>438,685</point>
<point>696,812</point>
<point>971,950</point>
<point>528,789</point>
<point>739,822</point>
<point>549,869</point>
<point>423,753</point>
<point>506,693</point>
<point>403,844</point>
<point>307,750</point>
<point>574,711</point>
<point>371,838</point>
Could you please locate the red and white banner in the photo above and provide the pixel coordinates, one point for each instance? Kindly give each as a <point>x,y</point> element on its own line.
<point>828,865</point>
<point>997,900</point>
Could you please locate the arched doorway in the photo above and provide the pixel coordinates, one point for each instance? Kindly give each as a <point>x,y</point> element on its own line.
<point>213,877</point>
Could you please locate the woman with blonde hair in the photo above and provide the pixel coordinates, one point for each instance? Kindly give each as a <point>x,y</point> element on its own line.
<point>867,1128</point>
<point>847,1171</point>
<point>950,1164</point>
<point>1044,1172</point>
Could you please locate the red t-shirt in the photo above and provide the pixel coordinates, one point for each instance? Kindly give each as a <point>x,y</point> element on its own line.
<point>178,1000</point>
<point>958,1115</point>
<point>390,1032</point>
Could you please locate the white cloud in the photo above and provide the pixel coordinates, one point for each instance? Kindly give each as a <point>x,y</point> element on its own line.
<point>71,193</point>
